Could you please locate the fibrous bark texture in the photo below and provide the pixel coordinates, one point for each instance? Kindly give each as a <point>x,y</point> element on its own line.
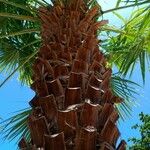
<point>74,105</point>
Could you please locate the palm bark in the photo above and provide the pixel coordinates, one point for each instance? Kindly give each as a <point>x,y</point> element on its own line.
<point>74,105</point>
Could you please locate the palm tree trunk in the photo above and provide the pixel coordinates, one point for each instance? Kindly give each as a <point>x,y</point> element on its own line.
<point>74,106</point>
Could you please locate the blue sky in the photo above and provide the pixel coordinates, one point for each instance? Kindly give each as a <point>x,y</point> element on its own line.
<point>14,97</point>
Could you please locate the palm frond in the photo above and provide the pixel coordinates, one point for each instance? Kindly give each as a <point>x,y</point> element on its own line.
<point>19,39</point>
<point>19,33</point>
<point>108,28</point>
<point>130,1</point>
<point>24,7</point>
<point>127,90</point>
<point>131,45</point>
<point>22,64</point>
<point>18,17</point>
<point>16,126</point>
<point>139,3</point>
<point>42,2</point>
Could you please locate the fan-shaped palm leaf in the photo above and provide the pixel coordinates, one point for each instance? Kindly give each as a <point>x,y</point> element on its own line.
<point>132,44</point>
<point>16,126</point>
<point>127,90</point>
<point>19,38</point>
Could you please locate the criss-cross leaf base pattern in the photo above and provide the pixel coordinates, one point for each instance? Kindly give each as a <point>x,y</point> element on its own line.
<point>73,108</point>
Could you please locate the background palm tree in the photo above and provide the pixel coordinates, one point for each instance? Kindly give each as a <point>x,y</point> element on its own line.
<point>17,53</point>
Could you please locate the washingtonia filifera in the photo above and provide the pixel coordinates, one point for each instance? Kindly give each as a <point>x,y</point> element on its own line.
<point>74,105</point>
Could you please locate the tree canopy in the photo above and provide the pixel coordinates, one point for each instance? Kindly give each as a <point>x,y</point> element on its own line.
<point>143,142</point>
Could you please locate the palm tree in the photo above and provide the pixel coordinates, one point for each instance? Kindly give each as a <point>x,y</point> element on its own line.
<point>74,105</point>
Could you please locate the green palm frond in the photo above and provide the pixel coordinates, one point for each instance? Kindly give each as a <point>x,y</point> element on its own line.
<point>131,46</point>
<point>16,126</point>
<point>19,33</point>
<point>18,56</point>
<point>19,39</point>
<point>127,90</point>
<point>21,6</point>
<point>131,1</point>
<point>27,69</point>
<point>42,2</point>
<point>137,3</point>
<point>28,5</point>
<point>18,17</point>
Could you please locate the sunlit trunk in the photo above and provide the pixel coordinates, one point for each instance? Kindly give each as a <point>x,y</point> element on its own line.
<point>74,106</point>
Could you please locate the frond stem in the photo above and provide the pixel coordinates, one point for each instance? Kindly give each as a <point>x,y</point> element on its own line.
<point>122,7</point>
<point>18,17</point>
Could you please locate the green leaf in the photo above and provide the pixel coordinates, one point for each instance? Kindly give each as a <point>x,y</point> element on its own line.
<point>27,8</point>
<point>127,48</point>
<point>19,67</point>
<point>142,65</point>
<point>41,3</point>
<point>118,2</point>
<point>141,142</point>
<point>115,30</point>
<point>127,90</point>
<point>16,126</point>
<point>126,6</point>
<point>18,17</point>
<point>120,17</point>
<point>20,33</point>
